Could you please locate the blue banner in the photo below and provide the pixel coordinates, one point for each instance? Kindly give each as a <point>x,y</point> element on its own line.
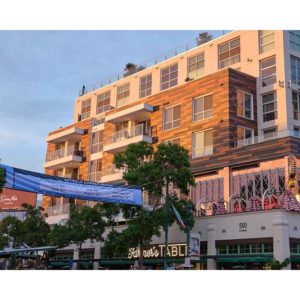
<point>63,187</point>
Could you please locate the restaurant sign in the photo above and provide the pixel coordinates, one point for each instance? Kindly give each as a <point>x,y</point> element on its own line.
<point>157,251</point>
<point>13,199</point>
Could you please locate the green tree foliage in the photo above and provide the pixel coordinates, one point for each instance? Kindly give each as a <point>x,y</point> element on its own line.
<point>115,245</point>
<point>150,170</point>
<point>11,232</point>
<point>84,223</point>
<point>277,265</point>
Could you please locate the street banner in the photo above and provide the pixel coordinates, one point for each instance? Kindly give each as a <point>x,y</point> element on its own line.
<point>195,246</point>
<point>70,188</point>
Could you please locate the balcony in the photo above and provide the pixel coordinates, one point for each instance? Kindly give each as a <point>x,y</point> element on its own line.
<point>119,140</point>
<point>138,112</point>
<point>73,133</point>
<point>64,157</point>
<point>57,214</point>
<point>266,137</point>
<point>111,174</point>
<point>98,123</point>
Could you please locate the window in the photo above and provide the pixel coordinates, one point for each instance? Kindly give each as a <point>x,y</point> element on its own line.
<point>244,248</point>
<point>244,133</point>
<point>268,71</point>
<point>256,248</point>
<point>123,94</point>
<point>295,70</point>
<point>85,109</point>
<point>266,40</point>
<point>103,102</point>
<point>168,77</point>
<point>268,248</point>
<point>269,133</point>
<point>145,86</point>
<point>173,141</point>
<point>296,105</point>
<point>229,53</point>
<point>232,249</point>
<point>269,107</point>
<point>171,117</point>
<point>245,104</point>
<point>202,108</point>
<point>202,143</point>
<point>295,40</point>
<point>297,131</point>
<point>97,142</point>
<point>95,170</point>
<point>196,66</point>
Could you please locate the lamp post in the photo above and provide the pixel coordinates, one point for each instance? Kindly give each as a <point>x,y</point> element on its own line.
<point>166,224</point>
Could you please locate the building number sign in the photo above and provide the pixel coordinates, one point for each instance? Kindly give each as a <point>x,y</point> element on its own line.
<point>242,226</point>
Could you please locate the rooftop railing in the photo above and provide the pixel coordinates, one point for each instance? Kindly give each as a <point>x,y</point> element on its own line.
<point>267,137</point>
<point>146,64</point>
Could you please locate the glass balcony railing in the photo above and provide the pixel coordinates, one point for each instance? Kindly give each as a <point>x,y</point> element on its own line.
<point>58,210</point>
<point>112,169</point>
<point>57,154</point>
<point>124,134</point>
<point>266,137</point>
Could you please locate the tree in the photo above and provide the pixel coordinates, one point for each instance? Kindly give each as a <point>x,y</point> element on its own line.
<point>84,223</point>
<point>11,232</point>
<point>35,229</point>
<point>115,245</point>
<point>277,265</point>
<point>154,172</point>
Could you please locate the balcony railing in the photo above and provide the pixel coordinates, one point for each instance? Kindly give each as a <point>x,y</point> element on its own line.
<point>58,210</point>
<point>128,134</point>
<point>98,121</point>
<point>267,137</point>
<point>70,176</point>
<point>112,169</point>
<point>149,63</point>
<point>96,176</point>
<point>96,148</point>
<point>57,154</point>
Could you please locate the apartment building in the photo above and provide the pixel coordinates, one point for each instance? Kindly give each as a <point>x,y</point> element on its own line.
<point>232,102</point>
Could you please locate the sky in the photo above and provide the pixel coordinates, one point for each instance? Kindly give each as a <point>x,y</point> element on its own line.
<point>41,73</point>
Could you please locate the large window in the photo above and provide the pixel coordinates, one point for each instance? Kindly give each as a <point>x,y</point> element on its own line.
<point>296,105</point>
<point>268,71</point>
<point>229,53</point>
<point>269,133</point>
<point>168,77</point>
<point>97,142</point>
<point>202,107</point>
<point>171,117</point>
<point>85,109</point>
<point>295,40</point>
<point>123,94</point>
<point>95,170</point>
<point>145,86</point>
<point>269,102</point>
<point>202,143</point>
<point>103,102</point>
<point>295,70</point>
<point>266,40</point>
<point>196,66</point>
<point>245,104</point>
<point>244,133</point>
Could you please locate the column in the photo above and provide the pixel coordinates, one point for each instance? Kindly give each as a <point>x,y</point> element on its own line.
<point>281,241</point>
<point>75,257</point>
<point>97,255</point>
<point>211,245</point>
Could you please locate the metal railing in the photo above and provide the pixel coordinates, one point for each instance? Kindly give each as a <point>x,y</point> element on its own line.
<point>146,64</point>
<point>57,154</point>
<point>134,131</point>
<point>98,121</point>
<point>58,210</point>
<point>266,137</point>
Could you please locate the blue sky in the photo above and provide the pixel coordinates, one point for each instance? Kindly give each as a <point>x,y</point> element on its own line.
<point>41,73</point>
